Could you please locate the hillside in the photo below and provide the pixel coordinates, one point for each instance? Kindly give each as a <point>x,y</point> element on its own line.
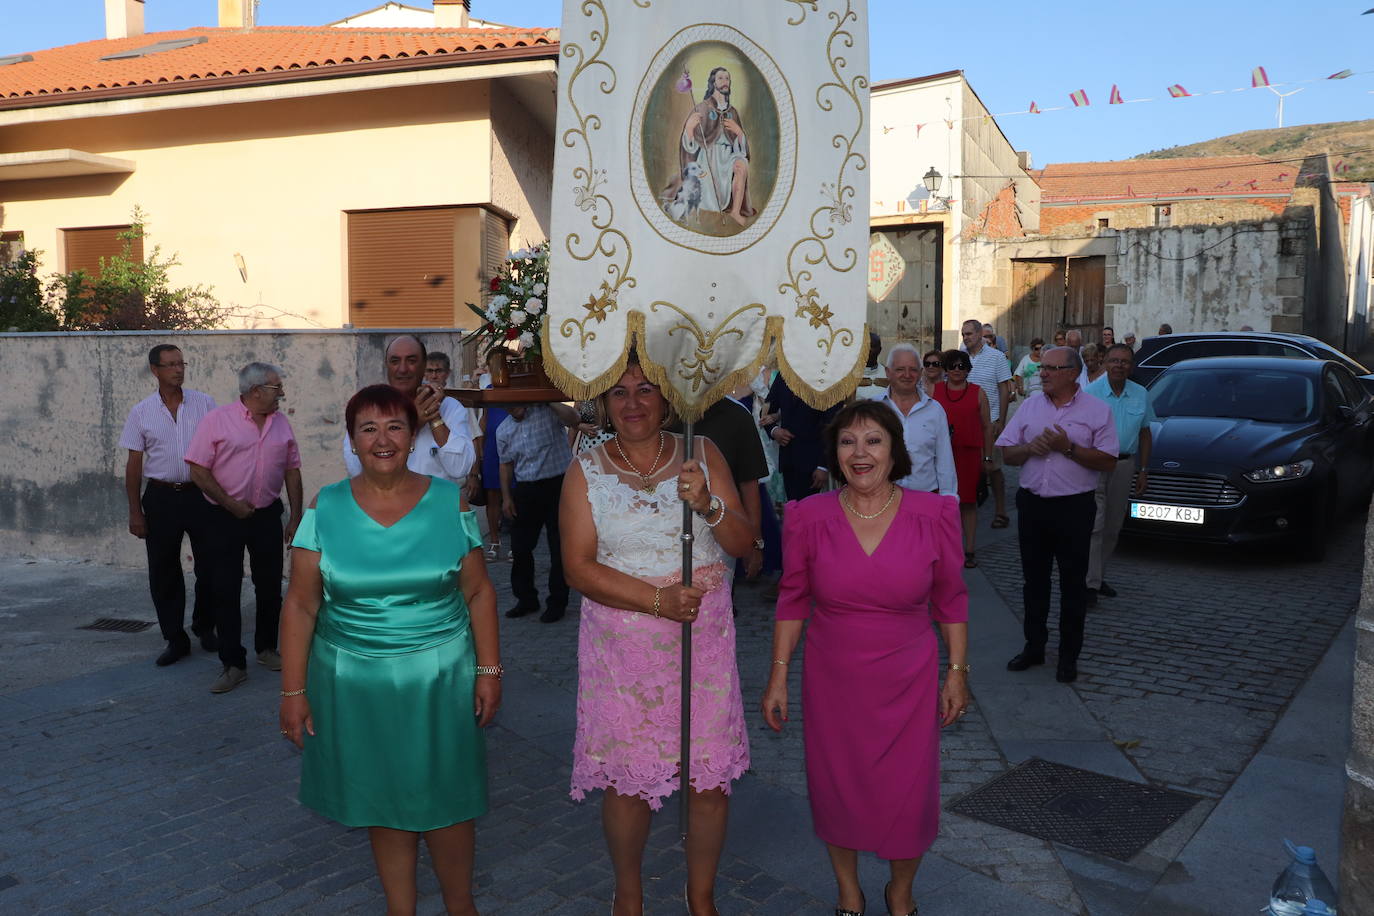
<point>1340,138</point>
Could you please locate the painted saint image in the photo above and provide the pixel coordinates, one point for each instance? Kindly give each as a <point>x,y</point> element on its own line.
<point>710,134</point>
<point>714,158</point>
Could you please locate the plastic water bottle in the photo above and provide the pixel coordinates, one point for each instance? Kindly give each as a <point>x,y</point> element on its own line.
<point>1301,885</point>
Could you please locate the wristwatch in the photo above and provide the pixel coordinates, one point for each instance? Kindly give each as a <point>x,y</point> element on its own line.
<point>758,543</point>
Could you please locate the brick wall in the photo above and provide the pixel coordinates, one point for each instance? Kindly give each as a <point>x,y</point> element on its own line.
<point>1076,219</point>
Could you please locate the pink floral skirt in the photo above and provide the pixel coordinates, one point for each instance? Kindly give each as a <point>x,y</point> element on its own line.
<point>629,693</point>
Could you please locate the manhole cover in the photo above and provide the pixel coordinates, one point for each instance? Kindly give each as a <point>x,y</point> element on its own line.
<point>1089,811</point>
<point>118,625</point>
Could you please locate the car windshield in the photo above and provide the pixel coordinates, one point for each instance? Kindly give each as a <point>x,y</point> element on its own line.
<point>1268,396</point>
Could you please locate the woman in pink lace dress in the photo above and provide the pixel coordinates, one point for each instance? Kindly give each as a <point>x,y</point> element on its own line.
<point>870,566</point>
<point>621,520</point>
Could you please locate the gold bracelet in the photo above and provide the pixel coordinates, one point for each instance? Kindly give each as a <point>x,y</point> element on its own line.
<point>964,668</point>
<point>293,693</point>
<point>437,423</point>
<point>780,661</point>
<point>658,594</point>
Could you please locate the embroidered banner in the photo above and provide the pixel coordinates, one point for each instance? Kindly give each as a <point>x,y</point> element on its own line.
<point>709,196</point>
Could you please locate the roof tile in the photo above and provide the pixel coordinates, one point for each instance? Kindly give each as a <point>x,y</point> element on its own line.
<point>1208,176</point>
<point>233,52</point>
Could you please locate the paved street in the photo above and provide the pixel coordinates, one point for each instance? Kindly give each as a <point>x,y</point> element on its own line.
<point>130,789</point>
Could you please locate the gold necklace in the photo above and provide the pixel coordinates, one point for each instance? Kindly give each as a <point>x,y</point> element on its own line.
<point>890,497</point>
<point>646,487</point>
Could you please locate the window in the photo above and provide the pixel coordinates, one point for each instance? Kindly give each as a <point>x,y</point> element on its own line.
<point>1104,223</point>
<point>11,246</point>
<point>83,249</point>
<point>1163,214</point>
<point>415,268</point>
<point>1333,393</point>
<point>1274,348</point>
<point>1355,395</point>
<point>1196,349</point>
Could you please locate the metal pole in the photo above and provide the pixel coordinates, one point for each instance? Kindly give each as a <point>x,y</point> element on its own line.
<point>686,743</point>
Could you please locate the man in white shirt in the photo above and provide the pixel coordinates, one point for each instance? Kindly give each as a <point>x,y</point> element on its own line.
<point>873,386</point>
<point>443,445</point>
<point>924,424</point>
<point>992,373</point>
<point>157,432</point>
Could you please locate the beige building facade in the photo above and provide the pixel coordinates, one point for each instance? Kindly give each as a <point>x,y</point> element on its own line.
<point>319,178</point>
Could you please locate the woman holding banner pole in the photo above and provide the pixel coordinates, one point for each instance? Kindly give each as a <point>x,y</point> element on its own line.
<point>621,517</point>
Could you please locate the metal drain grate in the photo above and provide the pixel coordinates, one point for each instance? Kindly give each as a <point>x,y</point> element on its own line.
<point>1079,808</point>
<point>117,625</point>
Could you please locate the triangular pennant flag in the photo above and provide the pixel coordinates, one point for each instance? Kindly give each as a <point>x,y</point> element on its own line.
<point>1079,98</point>
<point>1177,91</point>
<point>1034,109</point>
<point>1343,74</point>
<point>1116,98</point>
<point>1342,167</point>
<point>918,130</point>
<point>1258,78</point>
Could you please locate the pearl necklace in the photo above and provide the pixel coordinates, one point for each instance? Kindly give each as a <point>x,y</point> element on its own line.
<point>890,497</point>
<point>646,487</point>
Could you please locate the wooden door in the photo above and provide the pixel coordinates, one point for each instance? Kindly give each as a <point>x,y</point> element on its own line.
<point>1086,292</point>
<point>1037,307</point>
<point>913,311</point>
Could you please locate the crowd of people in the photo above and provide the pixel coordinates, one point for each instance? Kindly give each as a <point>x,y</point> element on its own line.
<point>390,622</point>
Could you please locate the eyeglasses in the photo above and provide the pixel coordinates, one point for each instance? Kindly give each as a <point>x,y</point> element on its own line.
<point>932,364</point>
<point>273,387</point>
<point>1045,367</point>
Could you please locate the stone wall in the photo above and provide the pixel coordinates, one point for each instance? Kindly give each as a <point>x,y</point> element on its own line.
<point>67,396</point>
<point>1079,218</point>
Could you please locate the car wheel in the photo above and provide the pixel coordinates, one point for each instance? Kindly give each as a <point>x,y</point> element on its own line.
<point>1312,546</point>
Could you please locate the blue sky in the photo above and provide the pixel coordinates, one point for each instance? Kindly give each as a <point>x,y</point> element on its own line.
<point>1013,53</point>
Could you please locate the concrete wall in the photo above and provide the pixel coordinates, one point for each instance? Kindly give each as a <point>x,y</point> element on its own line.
<point>1360,259</point>
<point>268,180</point>
<point>1209,278</point>
<point>67,397</point>
<point>1075,219</point>
<point>1357,827</point>
<point>521,168</point>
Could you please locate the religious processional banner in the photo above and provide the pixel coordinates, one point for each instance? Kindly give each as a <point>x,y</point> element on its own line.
<point>709,197</point>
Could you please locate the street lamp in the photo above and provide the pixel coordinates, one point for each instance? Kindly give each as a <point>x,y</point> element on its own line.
<point>932,181</point>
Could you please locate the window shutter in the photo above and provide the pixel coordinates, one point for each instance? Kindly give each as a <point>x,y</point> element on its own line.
<point>495,247</point>
<point>83,248</point>
<point>401,268</point>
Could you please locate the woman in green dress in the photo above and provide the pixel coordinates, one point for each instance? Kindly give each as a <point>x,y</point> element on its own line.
<point>391,657</point>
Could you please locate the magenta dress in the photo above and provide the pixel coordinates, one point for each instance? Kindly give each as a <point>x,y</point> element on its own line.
<point>870,684</point>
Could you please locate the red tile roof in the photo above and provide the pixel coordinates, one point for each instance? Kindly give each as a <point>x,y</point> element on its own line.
<point>1203,176</point>
<point>233,55</point>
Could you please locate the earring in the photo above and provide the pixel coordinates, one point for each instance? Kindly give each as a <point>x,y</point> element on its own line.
<point>412,449</point>
<point>355,451</point>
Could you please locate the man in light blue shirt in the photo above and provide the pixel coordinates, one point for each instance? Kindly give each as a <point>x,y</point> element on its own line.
<point>1130,406</point>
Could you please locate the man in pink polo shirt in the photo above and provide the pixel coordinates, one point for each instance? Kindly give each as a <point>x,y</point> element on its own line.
<point>240,456</point>
<point>1062,439</point>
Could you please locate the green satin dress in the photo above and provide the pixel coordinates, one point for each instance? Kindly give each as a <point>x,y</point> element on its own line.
<point>391,671</point>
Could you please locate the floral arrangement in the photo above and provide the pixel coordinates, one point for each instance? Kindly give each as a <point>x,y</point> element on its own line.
<point>515,313</point>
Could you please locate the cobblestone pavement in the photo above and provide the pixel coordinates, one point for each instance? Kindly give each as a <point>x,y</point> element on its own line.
<point>131,789</point>
<point>1191,665</point>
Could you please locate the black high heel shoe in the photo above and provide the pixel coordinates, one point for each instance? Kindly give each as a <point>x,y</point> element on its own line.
<point>840,911</point>
<point>888,906</point>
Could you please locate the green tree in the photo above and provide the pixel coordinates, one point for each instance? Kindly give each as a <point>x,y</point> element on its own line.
<point>22,304</point>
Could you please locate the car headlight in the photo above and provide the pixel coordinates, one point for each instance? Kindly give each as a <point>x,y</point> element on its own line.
<point>1280,472</point>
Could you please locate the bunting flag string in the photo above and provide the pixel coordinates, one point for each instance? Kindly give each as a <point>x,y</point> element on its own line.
<point>1259,79</point>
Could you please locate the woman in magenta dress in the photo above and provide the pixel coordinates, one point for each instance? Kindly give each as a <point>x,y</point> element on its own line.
<point>970,429</point>
<point>878,562</point>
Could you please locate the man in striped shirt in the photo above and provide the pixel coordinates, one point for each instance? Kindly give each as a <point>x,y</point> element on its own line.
<point>169,505</point>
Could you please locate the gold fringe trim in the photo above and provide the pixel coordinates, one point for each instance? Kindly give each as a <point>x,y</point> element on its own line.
<point>692,410</point>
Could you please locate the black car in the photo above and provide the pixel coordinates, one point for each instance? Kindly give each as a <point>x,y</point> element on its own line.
<point>1247,449</point>
<point>1159,353</point>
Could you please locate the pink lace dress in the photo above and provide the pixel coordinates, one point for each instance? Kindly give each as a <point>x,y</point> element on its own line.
<point>629,663</point>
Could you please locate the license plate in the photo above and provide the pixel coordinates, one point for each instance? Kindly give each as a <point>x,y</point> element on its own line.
<point>1156,512</point>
